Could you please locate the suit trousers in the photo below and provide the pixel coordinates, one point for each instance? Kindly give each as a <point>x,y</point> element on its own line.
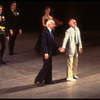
<point>45,74</point>
<point>12,39</point>
<point>72,65</point>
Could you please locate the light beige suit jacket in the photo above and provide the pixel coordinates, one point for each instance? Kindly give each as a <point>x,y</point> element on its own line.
<point>69,41</point>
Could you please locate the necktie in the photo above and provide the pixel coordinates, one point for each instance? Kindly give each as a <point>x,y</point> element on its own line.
<point>52,35</point>
<point>75,36</point>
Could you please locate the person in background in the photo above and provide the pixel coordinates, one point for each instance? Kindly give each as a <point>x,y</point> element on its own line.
<point>45,18</point>
<point>14,25</point>
<point>73,45</point>
<point>45,74</point>
<point>3,35</point>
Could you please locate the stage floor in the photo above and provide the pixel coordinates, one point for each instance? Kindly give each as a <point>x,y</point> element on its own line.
<point>17,76</point>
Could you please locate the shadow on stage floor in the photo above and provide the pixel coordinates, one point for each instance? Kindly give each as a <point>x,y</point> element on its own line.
<point>26,87</point>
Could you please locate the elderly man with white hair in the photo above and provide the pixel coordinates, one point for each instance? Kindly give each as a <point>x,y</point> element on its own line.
<point>45,74</point>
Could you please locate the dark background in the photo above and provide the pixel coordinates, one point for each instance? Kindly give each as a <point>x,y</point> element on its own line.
<point>86,13</point>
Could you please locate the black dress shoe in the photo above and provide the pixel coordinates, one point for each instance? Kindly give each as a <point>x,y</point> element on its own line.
<point>39,84</point>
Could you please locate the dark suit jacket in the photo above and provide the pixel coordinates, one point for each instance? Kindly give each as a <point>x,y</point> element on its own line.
<point>14,22</point>
<point>47,42</point>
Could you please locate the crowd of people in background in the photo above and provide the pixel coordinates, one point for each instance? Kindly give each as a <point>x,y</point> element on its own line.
<point>9,27</point>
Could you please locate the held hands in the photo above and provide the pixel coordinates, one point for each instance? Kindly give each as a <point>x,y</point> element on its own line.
<point>62,50</point>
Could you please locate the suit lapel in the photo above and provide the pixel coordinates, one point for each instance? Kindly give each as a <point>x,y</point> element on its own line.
<point>50,35</point>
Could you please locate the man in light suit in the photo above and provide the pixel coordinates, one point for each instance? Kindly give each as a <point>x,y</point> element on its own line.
<point>73,45</point>
<point>45,74</point>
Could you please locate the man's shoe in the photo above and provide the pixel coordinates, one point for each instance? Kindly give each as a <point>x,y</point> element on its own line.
<point>39,84</point>
<point>71,79</point>
<point>75,77</point>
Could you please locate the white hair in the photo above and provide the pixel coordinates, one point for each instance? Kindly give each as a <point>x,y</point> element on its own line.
<point>49,22</point>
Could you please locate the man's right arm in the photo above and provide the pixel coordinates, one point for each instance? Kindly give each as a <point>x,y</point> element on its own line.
<point>65,40</point>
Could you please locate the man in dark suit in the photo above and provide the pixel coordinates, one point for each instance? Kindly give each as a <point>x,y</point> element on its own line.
<point>45,74</point>
<point>14,26</point>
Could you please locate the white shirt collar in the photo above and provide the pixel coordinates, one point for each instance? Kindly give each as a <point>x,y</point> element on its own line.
<point>12,10</point>
<point>49,29</point>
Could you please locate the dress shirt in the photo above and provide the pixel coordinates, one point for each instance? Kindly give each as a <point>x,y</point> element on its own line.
<point>69,40</point>
<point>49,30</point>
<point>76,36</point>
